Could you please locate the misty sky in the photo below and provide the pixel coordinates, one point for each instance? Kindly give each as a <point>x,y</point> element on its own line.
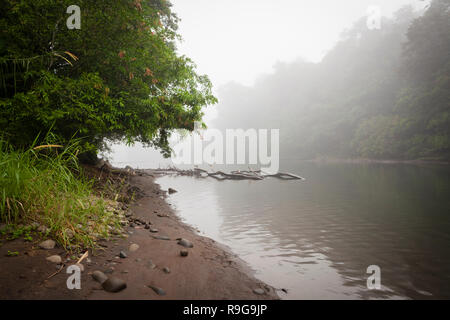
<point>237,40</point>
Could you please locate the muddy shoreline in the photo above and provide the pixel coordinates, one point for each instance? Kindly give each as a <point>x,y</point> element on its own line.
<point>210,271</point>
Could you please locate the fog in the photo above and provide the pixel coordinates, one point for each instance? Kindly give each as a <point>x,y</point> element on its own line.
<point>313,69</point>
<point>240,40</point>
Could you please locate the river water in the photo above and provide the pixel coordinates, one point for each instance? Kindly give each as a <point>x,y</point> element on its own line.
<point>316,238</point>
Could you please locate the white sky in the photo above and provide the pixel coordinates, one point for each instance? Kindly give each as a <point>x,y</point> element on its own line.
<point>237,40</point>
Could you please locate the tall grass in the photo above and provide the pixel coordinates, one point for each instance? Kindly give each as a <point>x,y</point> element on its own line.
<point>40,186</point>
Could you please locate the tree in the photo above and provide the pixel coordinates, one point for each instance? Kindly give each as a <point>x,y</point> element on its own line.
<point>119,77</point>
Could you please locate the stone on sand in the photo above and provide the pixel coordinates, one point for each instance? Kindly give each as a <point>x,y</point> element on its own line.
<point>47,244</point>
<point>259,291</point>
<point>99,276</point>
<point>54,259</point>
<point>114,284</point>
<point>184,253</point>
<point>185,243</point>
<point>133,247</point>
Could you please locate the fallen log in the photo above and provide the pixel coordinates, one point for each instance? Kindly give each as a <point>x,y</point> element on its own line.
<point>233,175</point>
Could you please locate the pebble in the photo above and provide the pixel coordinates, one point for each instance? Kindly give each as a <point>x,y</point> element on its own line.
<point>158,291</point>
<point>47,244</point>
<point>114,284</point>
<point>69,233</point>
<point>259,291</point>
<point>171,190</point>
<point>185,243</point>
<point>184,253</point>
<point>99,276</point>
<point>152,230</point>
<point>133,247</point>
<point>166,270</point>
<point>151,265</point>
<point>147,226</point>
<point>54,259</point>
<point>43,229</point>
<point>122,254</point>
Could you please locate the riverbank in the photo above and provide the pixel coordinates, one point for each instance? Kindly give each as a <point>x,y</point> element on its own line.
<point>151,258</point>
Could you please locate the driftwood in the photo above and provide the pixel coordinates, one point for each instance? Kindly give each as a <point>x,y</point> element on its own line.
<point>233,175</point>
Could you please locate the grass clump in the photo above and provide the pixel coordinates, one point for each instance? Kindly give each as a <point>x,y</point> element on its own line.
<point>42,187</point>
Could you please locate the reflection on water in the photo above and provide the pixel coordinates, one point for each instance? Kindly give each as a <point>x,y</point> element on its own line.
<point>316,238</point>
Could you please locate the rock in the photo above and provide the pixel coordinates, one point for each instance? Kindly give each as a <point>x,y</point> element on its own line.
<point>133,247</point>
<point>170,190</point>
<point>151,265</point>
<point>69,233</point>
<point>185,243</point>
<point>161,237</point>
<point>184,253</point>
<point>114,284</point>
<point>153,230</point>
<point>147,226</point>
<point>122,254</point>
<point>166,270</point>
<point>259,291</point>
<point>54,259</point>
<point>47,244</point>
<point>125,271</point>
<point>158,291</point>
<point>99,276</point>
<point>43,229</point>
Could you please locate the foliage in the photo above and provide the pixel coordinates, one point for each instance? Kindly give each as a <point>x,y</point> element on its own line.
<point>39,186</point>
<point>118,77</point>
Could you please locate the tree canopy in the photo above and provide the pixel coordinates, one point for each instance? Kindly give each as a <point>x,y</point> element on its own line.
<point>118,77</point>
<point>380,94</point>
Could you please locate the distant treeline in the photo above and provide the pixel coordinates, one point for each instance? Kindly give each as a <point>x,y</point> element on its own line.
<point>381,94</point>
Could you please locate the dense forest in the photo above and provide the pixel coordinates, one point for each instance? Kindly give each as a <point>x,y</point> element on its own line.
<point>117,77</point>
<point>380,94</point>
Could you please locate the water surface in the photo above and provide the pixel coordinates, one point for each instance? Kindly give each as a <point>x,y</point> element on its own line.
<point>316,238</point>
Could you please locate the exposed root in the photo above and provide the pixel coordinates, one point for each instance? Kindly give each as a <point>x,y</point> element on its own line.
<point>233,175</point>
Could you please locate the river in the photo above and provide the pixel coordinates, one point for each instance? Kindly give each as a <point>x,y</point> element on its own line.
<point>316,238</point>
